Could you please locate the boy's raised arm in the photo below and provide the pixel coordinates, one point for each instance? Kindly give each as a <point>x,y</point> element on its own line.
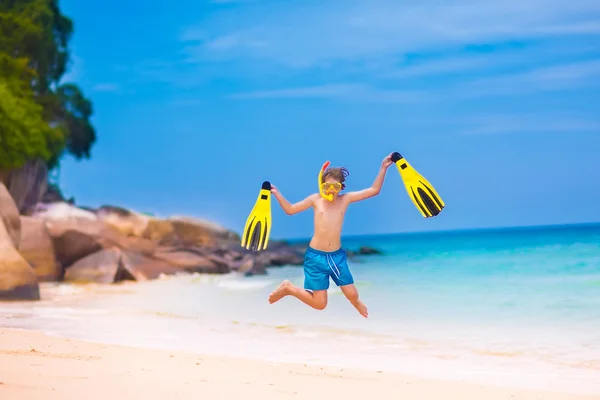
<point>375,187</point>
<point>295,208</point>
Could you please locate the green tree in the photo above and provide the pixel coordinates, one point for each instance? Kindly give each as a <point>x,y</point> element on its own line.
<point>39,116</point>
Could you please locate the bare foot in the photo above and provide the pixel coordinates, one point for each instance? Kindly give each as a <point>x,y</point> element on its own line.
<point>362,309</point>
<point>280,292</point>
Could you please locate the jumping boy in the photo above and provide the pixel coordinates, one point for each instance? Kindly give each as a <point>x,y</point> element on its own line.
<point>325,257</point>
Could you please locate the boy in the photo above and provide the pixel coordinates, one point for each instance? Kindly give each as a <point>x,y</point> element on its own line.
<point>325,257</point>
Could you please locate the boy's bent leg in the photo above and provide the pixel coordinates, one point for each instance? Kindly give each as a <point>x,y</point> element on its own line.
<point>316,283</point>
<point>342,277</point>
<point>316,299</point>
<point>352,295</point>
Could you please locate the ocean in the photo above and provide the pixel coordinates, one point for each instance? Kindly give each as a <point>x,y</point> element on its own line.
<point>517,307</point>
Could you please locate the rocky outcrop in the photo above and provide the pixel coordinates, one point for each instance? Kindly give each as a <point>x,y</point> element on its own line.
<point>9,216</point>
<point>197,232</point>
<point>17,278</point>
<point>27,184</point>
<point>59,241</point>
<point>127,222</point>
<point>160,231</point>
<point>37,249</point>
<point>143,268</point>
<point>54,195</point>
<point>76,238</point>
<point>103,266</point>
<point>365,251</point>
<point>190,260</point>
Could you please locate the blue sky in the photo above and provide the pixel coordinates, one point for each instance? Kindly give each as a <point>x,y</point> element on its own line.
<point>196,105</point>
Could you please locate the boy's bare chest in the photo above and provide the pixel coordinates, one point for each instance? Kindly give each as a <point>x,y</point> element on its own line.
<point>330,210</point>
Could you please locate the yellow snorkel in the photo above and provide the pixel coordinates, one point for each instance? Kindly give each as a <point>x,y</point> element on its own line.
<point>325,196</point>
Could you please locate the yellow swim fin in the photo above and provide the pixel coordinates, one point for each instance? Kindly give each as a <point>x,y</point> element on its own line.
<point>420,191</point>
<point>258,225</point>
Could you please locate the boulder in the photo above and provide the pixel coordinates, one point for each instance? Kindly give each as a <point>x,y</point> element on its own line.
<point>103,266</point>
<point>190,260</point>
<point>17,278</point>
<point>223,265</point>
<point>159,231</point>
<point>132,243</point>
<point>76,238</point>
<point>61,211</point>
<point>9,216</point>
<point>38,250</point>
<point>198,232</point>
<point>279,256</point>
<point>286,256</point>
<point>129,223</point>
<point>366,250</point>
<point>251,266</point>
<point>143,268</point>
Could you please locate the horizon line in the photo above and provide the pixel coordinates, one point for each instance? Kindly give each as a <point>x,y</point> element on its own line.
<point>459,230</point>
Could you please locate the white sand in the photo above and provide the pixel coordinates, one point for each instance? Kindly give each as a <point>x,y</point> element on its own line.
<point>36,366</point>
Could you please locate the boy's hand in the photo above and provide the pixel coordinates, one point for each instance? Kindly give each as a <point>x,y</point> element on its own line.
<point>386,162</point>
<point>274,189</point>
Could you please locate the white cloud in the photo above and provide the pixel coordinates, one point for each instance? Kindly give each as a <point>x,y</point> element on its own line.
<point>348,92</point>
<point>556,77</point>
<point>540,79</point>
<point>372,50</point>
<point>311,33</point>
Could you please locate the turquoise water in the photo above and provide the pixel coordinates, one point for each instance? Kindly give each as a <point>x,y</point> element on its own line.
<point>513,306</point>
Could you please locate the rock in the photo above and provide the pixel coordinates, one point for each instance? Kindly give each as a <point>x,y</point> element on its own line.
<point>279,257</point>
<point>223,264</point>
<point>132,243</point>
<point>62,211</point>
<point>129,223</point>
<point>143,268</point>
<point>38,250</point>
<point>197,232</point>
<point>251,266</point>
<point>9,216</point>
<point>286,256</point>
<point>17,278</point>
<point>244,265</point>
<point>103,266</point>
<point>75,238</point>
<point>368,250</point>
<point>53,195</point>
<point>190,260</point>
<point>159,231</point>
<point>27,184</point>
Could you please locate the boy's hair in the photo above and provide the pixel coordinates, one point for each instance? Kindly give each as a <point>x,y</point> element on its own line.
<point>337,173</point>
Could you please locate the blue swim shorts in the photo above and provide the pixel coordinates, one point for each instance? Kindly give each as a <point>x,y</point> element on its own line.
<point>320,265</point>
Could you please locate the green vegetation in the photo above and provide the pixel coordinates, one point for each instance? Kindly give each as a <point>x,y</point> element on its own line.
<point>39,116</point>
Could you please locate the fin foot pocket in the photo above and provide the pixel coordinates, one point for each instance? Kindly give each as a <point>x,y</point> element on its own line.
<point>420,191</point>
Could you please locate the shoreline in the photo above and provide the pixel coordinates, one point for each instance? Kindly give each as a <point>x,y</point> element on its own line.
<point>34,365</point>
<point>89,314</point>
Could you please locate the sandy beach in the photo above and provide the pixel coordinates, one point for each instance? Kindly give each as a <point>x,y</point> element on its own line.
<point>37,366</point>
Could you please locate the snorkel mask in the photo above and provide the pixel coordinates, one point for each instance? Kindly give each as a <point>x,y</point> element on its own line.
<point>321,190</point>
